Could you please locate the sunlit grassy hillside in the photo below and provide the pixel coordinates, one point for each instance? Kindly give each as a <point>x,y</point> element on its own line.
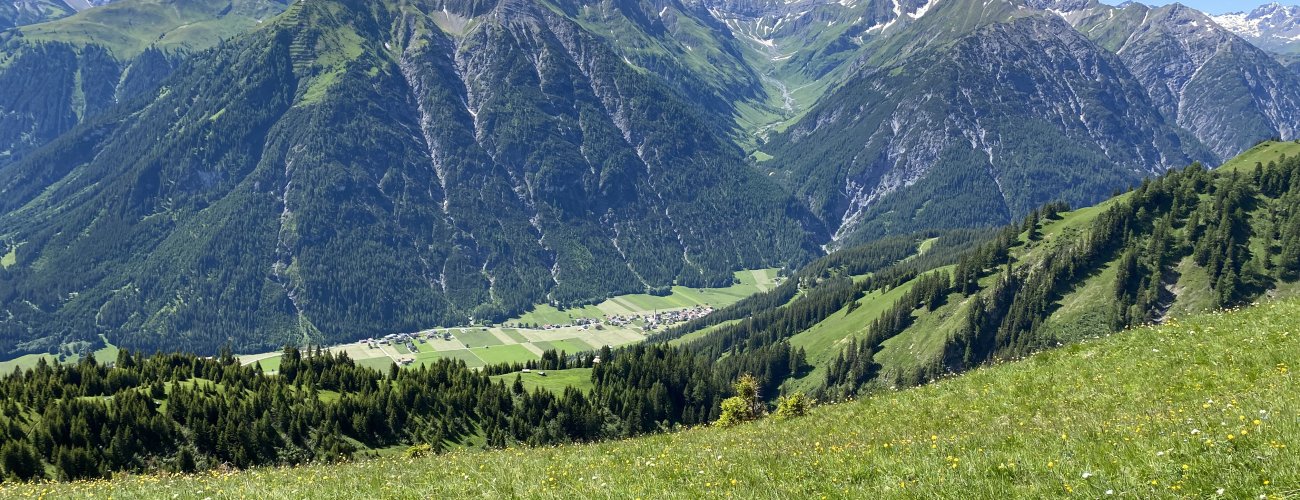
<point>1201,407</point>
<point>1084,305</point>
<point>1262,153</point>
<point>128,27</point>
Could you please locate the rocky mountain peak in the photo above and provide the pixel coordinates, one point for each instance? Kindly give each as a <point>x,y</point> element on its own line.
<point>1275,10</point>
<point>1274,27</point>
<point>1061,5</point>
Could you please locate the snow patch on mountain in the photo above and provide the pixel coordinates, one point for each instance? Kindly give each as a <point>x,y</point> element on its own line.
<point>923,10</point>
<point>1272,27</point>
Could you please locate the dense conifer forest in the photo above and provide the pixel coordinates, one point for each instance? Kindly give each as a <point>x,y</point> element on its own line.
<point>177,412</point>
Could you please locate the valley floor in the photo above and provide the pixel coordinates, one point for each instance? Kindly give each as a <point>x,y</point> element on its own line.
<point>545,329</point>
<point>1202,407</point>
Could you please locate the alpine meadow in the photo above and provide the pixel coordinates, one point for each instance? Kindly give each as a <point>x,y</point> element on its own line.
<point>648,249</point>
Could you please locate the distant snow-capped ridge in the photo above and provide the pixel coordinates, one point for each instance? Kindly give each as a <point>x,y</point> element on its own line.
<point>1273,26</point>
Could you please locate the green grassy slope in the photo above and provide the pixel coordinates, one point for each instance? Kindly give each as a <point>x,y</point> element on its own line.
<point>129,27</point>
<point>23,13</point>
<point>554,380</point>
<point>903,356</point>
<point>1085,308</point>
<point>701,333</point>
<point>828,338</point>
<point>921,344</point>
<point>10,257</point>
<point>1262,153</point>
<point>1211,404</point>
<point>105,354</point>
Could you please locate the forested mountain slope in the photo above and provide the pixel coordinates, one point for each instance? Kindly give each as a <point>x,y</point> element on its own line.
<point>344,170</point>
<point>1190,241</point>
<point>907,309</point>
<point>357,169</point>
<point>57,74</point>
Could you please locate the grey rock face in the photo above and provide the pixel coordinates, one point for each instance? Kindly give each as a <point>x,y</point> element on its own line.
<point>1224,91</point>
<point>987,123</point>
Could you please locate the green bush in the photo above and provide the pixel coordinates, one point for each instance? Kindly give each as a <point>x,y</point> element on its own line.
<point>744,406</point>
<point>419,450</point>
<point>792,406</point>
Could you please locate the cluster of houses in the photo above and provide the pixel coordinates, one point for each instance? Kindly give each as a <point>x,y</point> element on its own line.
<point>649,321</point>
<point>620,320</point>
<point>406,339</point>
<point>658,319</point>
<point>581,323</point>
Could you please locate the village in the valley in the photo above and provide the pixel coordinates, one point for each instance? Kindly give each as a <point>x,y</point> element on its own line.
<point>616,322</point>
<point>594,333</point>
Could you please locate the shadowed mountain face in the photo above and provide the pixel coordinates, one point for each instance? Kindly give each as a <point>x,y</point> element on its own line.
<point>242,174</point>
<point>969,134</point>
<point>349,172</point>
<point>57,74</point>
<point>917,136</point>
<point>23,12</point>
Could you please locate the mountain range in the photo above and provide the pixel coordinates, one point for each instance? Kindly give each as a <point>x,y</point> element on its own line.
<point>355,169</point>
<point>252,173</point>
<point>1273,27</point>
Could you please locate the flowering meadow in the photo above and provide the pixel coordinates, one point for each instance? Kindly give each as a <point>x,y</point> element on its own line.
<point>1205,407</point>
